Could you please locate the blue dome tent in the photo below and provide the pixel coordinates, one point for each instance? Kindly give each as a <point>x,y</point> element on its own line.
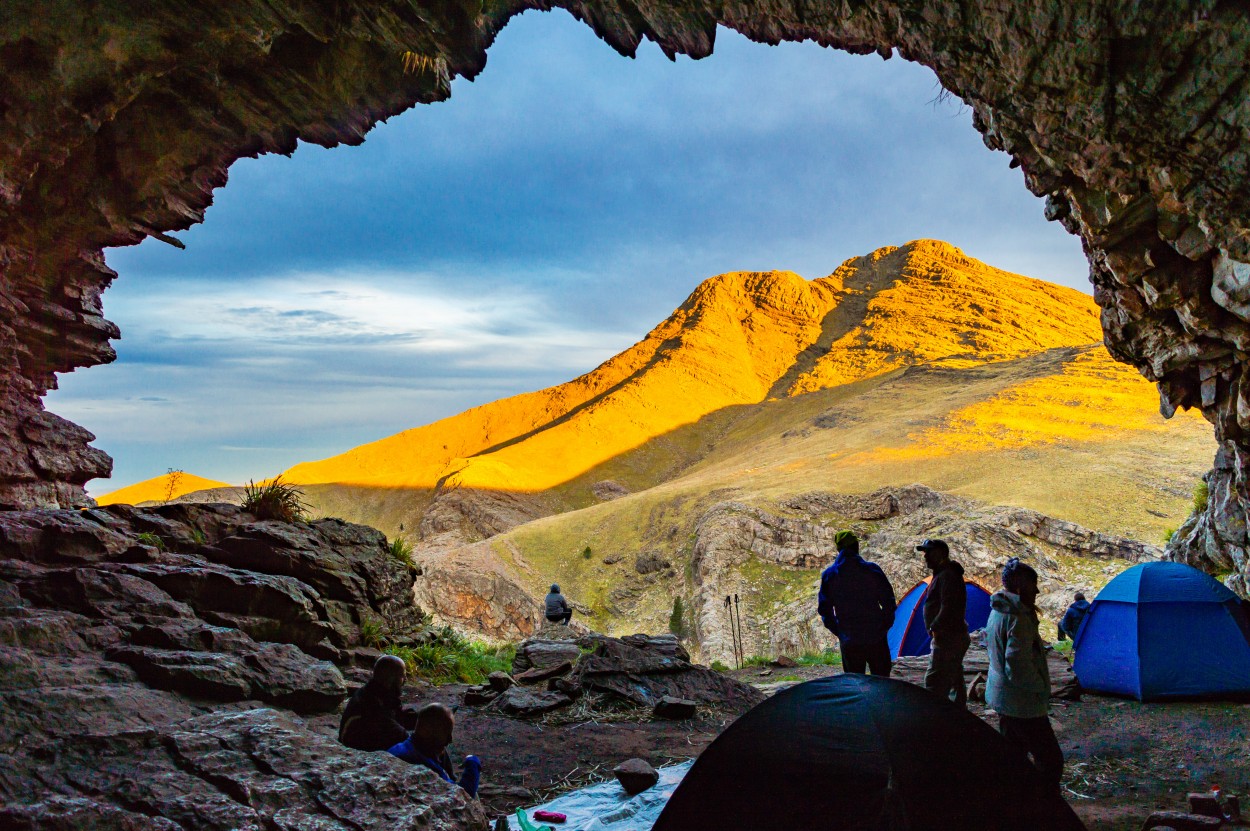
<point>1164,630</point>
<point>908,635</point>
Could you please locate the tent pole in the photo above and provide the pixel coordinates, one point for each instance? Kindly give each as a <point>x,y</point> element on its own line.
<point>741,644</point>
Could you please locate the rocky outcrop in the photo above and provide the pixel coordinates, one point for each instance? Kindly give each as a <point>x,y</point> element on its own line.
<point>640,670</point>
<point>891,522</point>
<point>137,647</point>
<point>1214,539</point>
<point>1128,118</point>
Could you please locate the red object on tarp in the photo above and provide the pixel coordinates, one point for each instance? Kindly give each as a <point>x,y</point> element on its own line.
<point>549,816</point>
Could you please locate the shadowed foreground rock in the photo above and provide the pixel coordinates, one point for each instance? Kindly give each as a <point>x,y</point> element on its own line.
<point>132,671</point>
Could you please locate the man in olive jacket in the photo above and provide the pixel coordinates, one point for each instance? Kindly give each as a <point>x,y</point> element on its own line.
<point>944,607</point>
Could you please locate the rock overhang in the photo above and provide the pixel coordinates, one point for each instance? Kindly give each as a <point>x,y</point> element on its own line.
<point>118,120</point>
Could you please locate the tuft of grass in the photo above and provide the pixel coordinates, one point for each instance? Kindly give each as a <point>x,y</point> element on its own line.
<point>148,538</point>
<point>275,500</point>
<point>755,661</point>
<point>199,537</point>
<point>720,666</point>
<point>401,550</point>
<point>371,632</point>
<point>1202,496</point>
<point>1168,533</point>
<point>586,553</point>
<point>786,678</point>
<point>677,620</point>
<point>828,658</point>
<point>450,658</point>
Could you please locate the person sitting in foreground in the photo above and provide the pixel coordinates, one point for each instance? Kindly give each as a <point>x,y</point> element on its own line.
<point>1018,682</point>
<point>427,746</point>
<point>372,719</point>
<point>1071,622</point>
<point>558,609</point>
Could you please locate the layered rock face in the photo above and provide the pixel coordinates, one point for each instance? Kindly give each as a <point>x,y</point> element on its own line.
<point>891,522</point>
<point>117,121</point>
<point>155,665</point>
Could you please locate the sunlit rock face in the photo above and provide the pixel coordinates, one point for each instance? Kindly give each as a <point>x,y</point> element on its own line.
<point>118,120</point>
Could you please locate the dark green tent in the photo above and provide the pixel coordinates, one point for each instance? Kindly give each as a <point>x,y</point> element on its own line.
<point>859,752</point>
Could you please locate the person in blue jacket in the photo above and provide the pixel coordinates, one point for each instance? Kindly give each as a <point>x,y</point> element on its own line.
<point>857,605</point>
<point>1071,622</point>
<point>427,746</point>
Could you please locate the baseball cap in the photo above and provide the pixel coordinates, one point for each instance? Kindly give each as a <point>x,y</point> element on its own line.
<point>934,545</point>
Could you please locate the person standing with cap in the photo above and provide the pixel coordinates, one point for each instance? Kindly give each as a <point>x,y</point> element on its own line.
<point>856,604</point>
<point>945,604</point>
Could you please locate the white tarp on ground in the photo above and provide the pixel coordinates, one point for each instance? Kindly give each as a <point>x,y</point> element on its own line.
<point>606,806</point>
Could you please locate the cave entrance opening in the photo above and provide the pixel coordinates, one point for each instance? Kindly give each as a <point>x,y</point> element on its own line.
<point>540,221</point>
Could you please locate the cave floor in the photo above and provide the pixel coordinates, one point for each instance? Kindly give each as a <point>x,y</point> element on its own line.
<point>1124,759</point>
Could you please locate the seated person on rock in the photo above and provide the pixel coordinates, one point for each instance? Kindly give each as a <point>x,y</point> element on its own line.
<point>558,609</point>
<point>428,746</point>
<point>373,719</point>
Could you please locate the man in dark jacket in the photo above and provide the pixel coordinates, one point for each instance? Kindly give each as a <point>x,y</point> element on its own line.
<point>1071,622</point>
<point>856,604</point>
<point>945,604</point>
<point>372,719</point>
<point>558,609</point>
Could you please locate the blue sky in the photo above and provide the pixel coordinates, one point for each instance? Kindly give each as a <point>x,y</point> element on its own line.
<point>540,221</point>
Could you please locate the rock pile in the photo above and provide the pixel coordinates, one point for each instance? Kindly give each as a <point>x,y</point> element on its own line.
<point>136,647</point>
<point>644,670</point>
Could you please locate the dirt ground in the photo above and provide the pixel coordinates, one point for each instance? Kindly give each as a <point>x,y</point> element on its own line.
<point>1124,759</point>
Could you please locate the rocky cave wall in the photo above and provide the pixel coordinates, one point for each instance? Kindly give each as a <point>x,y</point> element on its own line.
<point>1131,118</point>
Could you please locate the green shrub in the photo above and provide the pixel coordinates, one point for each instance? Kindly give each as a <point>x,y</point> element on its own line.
<point>828,658</point>
<point>677,620</point>
<point>1202,496</point>
<point>1168,533</point>
<point>275,500</point>
<point>756,661</point>
<point>198,537</point>
<point>719,666</point>
<point>586,554</point>
<point>148,538</point>
<point>450,658</point>
<point>371,632</point>
<point>401,550</point>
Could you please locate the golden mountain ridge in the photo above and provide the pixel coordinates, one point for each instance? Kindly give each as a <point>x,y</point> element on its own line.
<point>740,338</point>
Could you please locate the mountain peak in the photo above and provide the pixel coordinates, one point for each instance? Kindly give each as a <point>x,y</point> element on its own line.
<point>739,338</point>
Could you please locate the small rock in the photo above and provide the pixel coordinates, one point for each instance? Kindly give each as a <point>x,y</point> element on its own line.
<point>635,776</point>
<point>784,662</point>
<point>522,702</point>
<point>500,681</point>
<point>540,674</point>
<point>479,695</point>
<point>764,673</point>
<point>674,708</point>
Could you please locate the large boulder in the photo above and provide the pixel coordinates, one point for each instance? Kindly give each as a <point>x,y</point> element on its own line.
<point>132,669</point>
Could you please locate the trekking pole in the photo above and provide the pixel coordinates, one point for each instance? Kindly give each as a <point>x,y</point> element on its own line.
<point>742,649</point>
<point>732,634</point>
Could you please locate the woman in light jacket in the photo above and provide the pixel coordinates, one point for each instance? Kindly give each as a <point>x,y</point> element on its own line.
<point>1018,686</point>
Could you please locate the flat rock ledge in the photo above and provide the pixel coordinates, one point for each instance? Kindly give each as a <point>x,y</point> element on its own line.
<point>155,665</point>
